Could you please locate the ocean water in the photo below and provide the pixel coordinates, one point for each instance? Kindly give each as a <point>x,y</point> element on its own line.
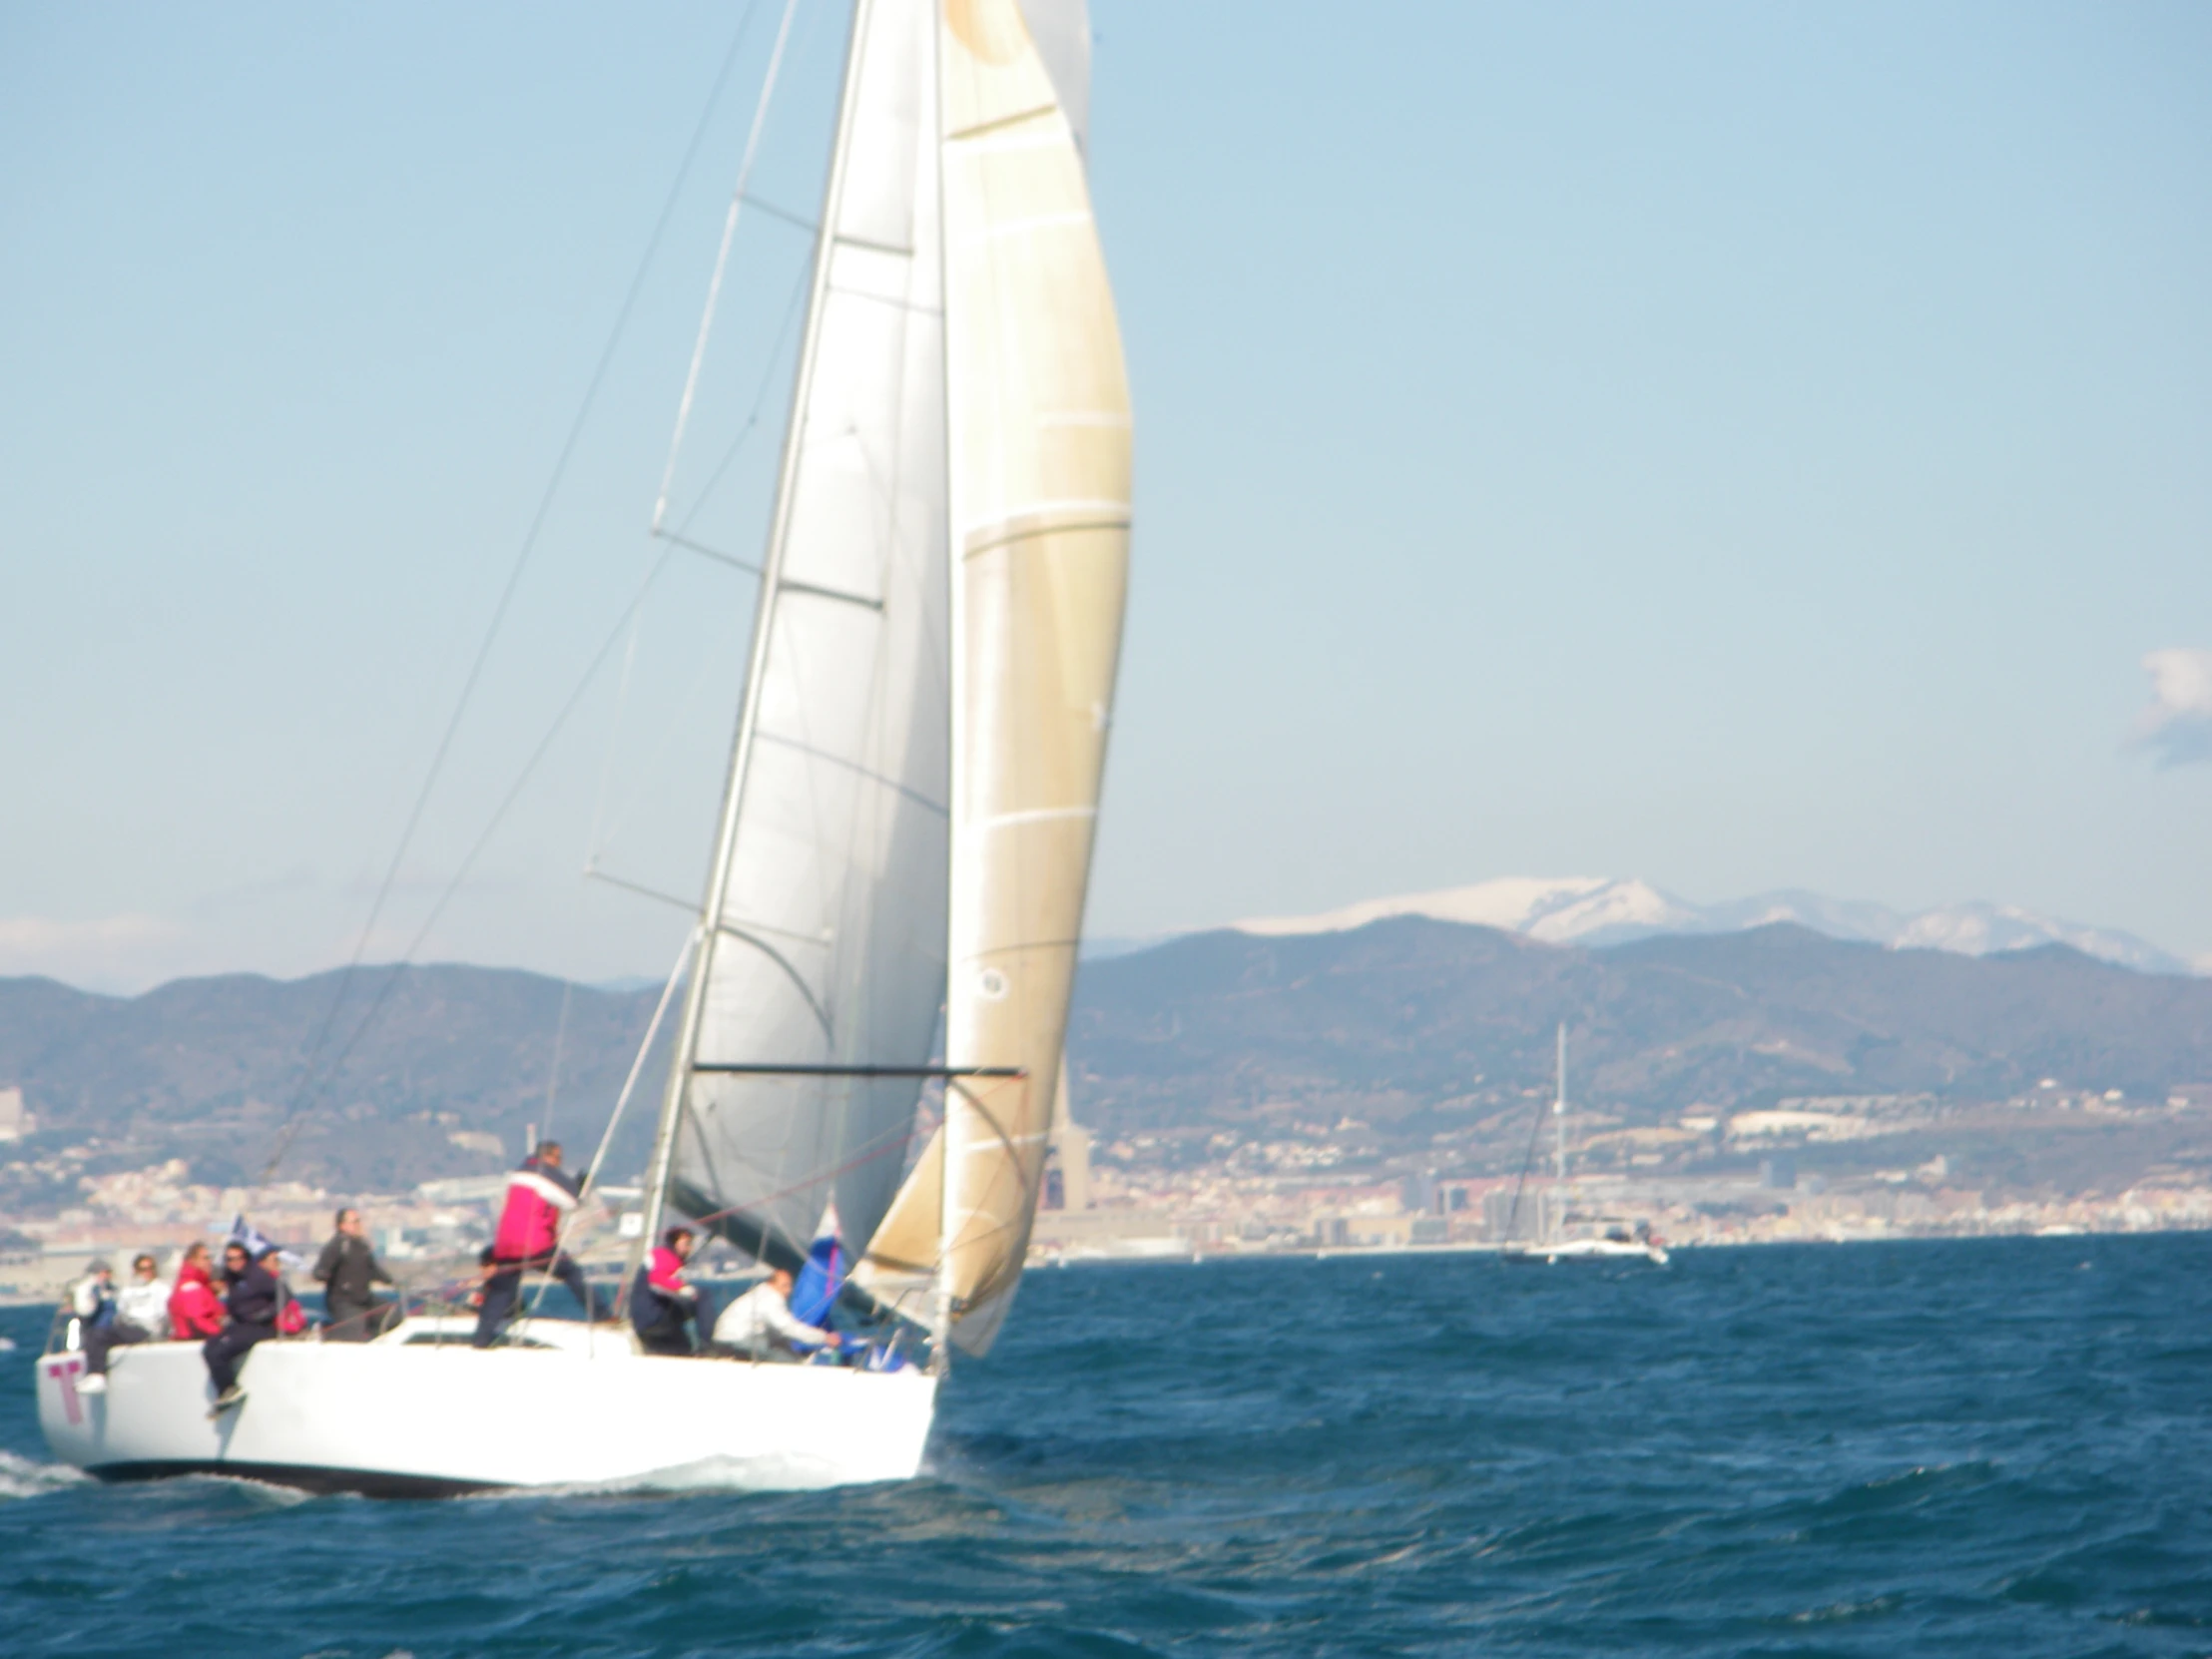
<point>1953,1448</point>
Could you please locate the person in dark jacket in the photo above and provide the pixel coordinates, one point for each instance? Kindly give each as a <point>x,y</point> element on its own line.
<point>348,1269</point>
<point>663,1300</point>
<point>540,1196</point>
<point>253,1303</point>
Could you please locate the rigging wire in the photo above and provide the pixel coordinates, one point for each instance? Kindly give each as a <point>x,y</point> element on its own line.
<point>553,1071</point>
<point>309,1086</point>
<point>637,1066</point>
<point>469,864</point>
<point>892,1140</point>
<point>792,312</point>
<point>606,1138</point>
<point>722,258</point>
<point>655,527</point>
<point>708,664</point>
<point>613,738</point>
<point>1528,1158</point>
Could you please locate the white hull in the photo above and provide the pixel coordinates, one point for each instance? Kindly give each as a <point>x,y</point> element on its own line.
<point>1588,1250</point>
<point>399,1418</point>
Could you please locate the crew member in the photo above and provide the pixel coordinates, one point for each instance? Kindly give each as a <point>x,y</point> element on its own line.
<point>762,1325</point>
<point>195,1312</point>
<point>539,1195</point>
<point>663,1300</point>
<point>140,1309</point>
<point>348,1267</point>
<point>252,1302</point>
<point>92,1298</point>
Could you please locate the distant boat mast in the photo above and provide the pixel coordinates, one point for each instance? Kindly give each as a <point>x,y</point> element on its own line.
<point>1560,1135</point>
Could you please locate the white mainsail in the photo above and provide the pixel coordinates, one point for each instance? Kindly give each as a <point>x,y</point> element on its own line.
<point>1040,447</point>
<point>830,890</point>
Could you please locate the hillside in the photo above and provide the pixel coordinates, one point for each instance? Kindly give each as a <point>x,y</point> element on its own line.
<point>209,1071</point>
<point>1436,1035</point>
<point>1407,1036</point>
<point>1422,1010</point>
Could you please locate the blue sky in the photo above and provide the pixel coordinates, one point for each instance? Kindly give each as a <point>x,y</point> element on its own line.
<point>1739,446</point>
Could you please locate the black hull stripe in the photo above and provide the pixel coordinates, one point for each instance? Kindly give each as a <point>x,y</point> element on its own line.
<point>368,1482</point>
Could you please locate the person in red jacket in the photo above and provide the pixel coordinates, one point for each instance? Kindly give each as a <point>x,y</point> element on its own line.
<point>540,1197</point>
<point>195,1312</point>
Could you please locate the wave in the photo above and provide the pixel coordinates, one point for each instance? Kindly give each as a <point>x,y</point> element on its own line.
<point>1842,1612</point>
<point>708,1474</point>
<point>1965,1446</point>
<point>21,1477</point>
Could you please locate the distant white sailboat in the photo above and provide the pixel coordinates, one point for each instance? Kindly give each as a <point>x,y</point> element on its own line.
<point>1555,1243</point>
<point>906,829</point>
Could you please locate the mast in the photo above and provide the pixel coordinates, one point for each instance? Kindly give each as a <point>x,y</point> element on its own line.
<point>764,610</point>
<point>940,1280</point>
<point>1560,1135</point>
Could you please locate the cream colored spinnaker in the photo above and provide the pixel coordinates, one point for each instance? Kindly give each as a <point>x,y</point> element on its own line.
<point>1038,441</point>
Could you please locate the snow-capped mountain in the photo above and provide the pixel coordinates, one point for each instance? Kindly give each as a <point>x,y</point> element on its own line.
<point>1596,911</point>
<point>1586,909</point>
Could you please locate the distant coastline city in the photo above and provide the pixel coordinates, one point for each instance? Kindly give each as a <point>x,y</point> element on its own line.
<point>1787,1068</point>
<point>1134,1200</point>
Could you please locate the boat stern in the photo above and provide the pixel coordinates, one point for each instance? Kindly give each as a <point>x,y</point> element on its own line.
<point>153,1413</point>
<point>66,1414</point>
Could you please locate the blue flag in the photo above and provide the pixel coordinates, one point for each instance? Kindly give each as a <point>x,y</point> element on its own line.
<point>255,1241</point>
<point>244,1232</point>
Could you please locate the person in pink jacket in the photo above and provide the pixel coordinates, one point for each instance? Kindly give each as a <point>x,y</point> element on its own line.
<point>540,1196</point>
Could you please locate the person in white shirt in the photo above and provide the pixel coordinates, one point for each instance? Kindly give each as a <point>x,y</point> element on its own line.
<point>141,1316</point>
<point>143,1302</point>
<point>760,1324</point>
<point>92,1298</point>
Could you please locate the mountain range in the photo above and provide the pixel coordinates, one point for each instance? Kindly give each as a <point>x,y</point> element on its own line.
<point>1427,1010</point>
<point>1404,1036</point>
<point>1408,1037</point>
<point>364,1078</point>
<point>1597,911</point>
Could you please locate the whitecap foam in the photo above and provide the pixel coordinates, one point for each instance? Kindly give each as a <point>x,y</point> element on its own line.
<point>708,1474</point>
<point>274,1493</point>
<point>21,1477</point>
<point>739,1475</point>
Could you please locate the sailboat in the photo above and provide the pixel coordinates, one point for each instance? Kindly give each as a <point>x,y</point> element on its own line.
<point>902,850</point>
<point>1555,1243</point>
